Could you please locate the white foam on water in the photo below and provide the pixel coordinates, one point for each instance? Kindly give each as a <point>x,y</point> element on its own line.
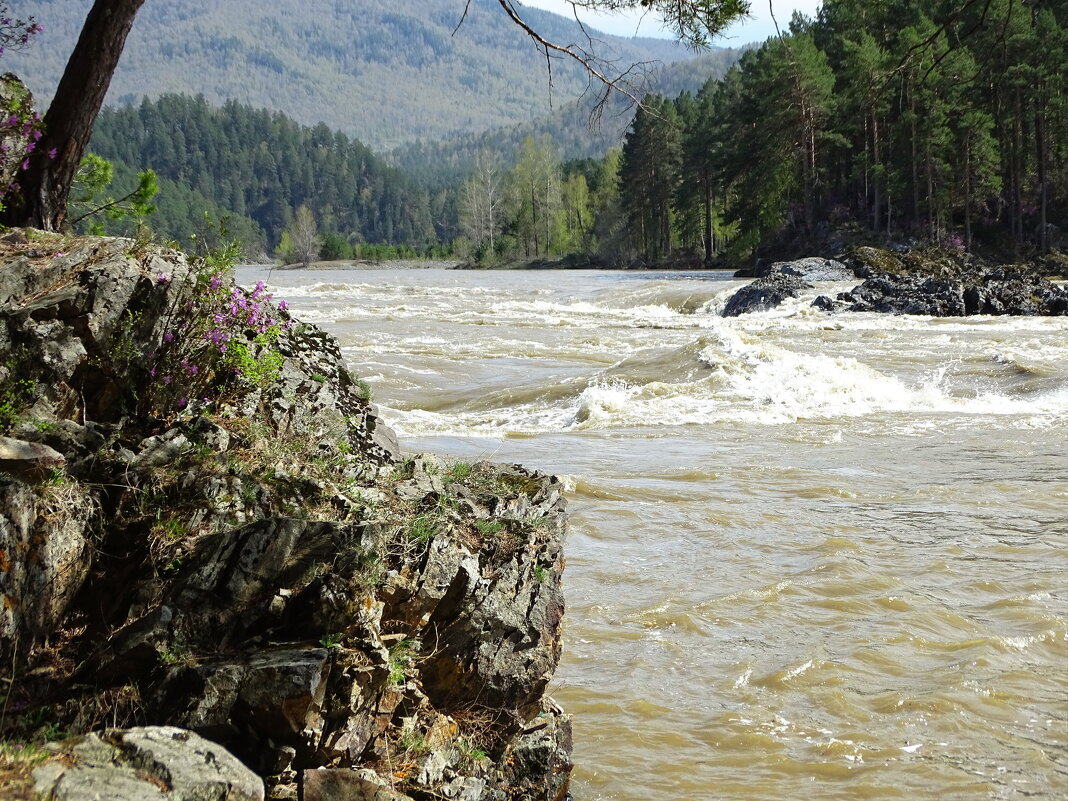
<point>750,382</point>
<point>777,367</point>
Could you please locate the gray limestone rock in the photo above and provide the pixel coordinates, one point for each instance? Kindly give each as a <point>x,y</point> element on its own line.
<point>149,763</point>
<point>813,268</point>
<point>43,547</point>
<point>28,460</point>
<point>162,449</point>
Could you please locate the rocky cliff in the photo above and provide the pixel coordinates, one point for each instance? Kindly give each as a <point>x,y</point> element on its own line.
<point>205,525</point>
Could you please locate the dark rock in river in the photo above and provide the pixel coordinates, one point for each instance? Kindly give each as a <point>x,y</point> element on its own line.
<point>996,292</point>
<point>907,295</point>
<point>824,303</point>
<point>764,293</point>
<point>260,568</point>
<point>813,268</point>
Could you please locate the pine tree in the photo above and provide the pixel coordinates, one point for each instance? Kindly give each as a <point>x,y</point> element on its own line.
<point>649,174</point>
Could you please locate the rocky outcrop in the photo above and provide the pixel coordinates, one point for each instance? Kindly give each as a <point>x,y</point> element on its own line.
<point>938,297</point>
<point>234,546</point>
<point>764,293</point>
<point>948,286</point>
<point>781,280</point>
<point>812,268</point>
<point>867,262</point>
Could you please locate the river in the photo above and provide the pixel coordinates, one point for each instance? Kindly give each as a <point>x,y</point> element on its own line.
<point>810,556</point>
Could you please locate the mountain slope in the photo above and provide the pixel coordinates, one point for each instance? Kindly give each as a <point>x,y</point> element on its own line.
<point>385,71</point>
<point>575,130</point>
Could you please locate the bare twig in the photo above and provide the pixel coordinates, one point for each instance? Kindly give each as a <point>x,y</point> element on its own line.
<point>586,58</point>
<point>467,7</point>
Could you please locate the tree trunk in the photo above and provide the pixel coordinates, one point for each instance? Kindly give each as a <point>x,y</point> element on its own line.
<point>808,156</point>
<point>915,164</point>
<point>1016,187</point>
<point>534,217</point>
<point>69,121</point>
<point>709,244</point>
<point>1043,170</point>
<point>968,191</point>
<point>931,225</point>
<point>865,187</point>
<point>876,157</point>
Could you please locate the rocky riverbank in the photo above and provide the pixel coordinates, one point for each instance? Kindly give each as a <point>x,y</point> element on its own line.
<point>937,284</point>
<point>210,545</point>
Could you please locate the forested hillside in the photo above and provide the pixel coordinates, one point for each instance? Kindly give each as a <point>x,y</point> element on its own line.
<point>260,165</point>
<point>932,120</point>
<point>929,119</point>
<point>386,72</point>
<point>922,119</point>
<point>576,129</point>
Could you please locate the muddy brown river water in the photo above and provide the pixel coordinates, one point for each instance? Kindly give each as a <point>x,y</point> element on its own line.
<point>810,556</point>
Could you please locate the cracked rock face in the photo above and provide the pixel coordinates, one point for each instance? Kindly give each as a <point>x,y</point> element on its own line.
<point>44,543</point>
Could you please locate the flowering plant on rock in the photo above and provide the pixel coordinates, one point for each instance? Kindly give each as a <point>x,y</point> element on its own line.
<point>217,342</point>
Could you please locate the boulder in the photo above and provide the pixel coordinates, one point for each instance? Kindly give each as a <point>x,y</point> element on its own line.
<point>28,460</point>
<point>824,303</point>
<point>148,763</point>
<point>764,294</point>
<point>332,784</point>
<point>813,268</point>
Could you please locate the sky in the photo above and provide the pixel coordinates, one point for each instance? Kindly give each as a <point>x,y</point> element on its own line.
<point>756,29</point>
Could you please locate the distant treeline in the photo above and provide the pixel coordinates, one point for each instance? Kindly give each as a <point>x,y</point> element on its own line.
<point>259,166</point>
